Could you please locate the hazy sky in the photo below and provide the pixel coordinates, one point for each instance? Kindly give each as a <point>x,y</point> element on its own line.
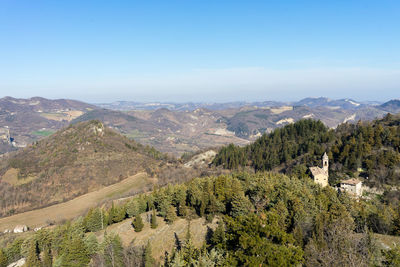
<point>102,51</point>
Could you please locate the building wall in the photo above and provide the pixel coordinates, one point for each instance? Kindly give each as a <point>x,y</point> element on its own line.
<point>352,189</point>
<point>359,189</point>
<point>321,179</point>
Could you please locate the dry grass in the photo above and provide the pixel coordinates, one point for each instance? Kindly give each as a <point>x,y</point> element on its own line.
<point>163,238</point>
<point>11,177</point>
<point>74,207</point>
<point>73,114</point>
<point>280,110</point>
<point>67,115</point>
<point>54,116</point>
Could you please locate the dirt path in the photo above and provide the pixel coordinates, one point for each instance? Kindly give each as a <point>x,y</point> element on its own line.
<point>74,207</point>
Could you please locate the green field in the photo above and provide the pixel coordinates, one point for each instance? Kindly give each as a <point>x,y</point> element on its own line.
<point>136,134</point>
<point>43,132</point>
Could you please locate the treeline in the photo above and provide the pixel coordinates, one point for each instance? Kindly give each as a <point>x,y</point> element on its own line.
<point>370,149</point>
<point>263,219</point>
<point>305,137</point>
<point>373,149</point>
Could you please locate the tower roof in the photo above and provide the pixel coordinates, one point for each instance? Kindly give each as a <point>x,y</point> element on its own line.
<point>317,171</point>
<point>325,155</point>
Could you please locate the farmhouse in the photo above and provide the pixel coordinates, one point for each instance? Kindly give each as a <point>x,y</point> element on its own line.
<point>321,175</point>
<point>352,186</point>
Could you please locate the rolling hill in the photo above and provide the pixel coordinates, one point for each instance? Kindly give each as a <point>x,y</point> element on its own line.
<point>76,160</point>
<point>175,132</point>
<point>392,106</point>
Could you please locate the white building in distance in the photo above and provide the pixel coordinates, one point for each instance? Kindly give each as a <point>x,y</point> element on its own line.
<point>352,186</point>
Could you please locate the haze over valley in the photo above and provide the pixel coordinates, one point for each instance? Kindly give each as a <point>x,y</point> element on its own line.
<point>199,133</point>
<point>177,128</point>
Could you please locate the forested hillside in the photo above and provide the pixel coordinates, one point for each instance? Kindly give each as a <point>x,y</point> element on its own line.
<point>78,159</point>
<point>369,149</point>
<point>264,219</point>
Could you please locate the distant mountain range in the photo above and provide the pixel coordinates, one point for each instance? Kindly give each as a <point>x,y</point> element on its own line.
<point>309,102</point>
<point>176,127</point>
<point>392,106</point>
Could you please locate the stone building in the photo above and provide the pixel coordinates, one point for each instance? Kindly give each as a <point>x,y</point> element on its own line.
<point>352,186</point>
<point>321,175</point>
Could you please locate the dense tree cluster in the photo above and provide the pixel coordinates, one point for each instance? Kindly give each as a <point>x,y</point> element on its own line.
<point>263,219</point>
<point>370,149</point>
<point>305,137</point>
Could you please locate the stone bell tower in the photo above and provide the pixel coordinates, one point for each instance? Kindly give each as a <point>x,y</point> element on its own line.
<point>325,162</point>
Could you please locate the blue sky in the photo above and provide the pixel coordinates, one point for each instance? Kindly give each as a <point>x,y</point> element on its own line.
<point>214,51</point>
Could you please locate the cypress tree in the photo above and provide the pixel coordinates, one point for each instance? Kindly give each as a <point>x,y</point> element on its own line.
<point>153,222</point>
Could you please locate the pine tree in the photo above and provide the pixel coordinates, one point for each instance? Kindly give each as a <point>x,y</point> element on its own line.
<point>189,251</point>
<point>240,204</point>
<point>182,210</point>
<point>113,250</point>
<point>153,222</point>
<point>116,214</point>
<point>33,255</point>
<point>138,223</point>
<point>218,238</point>
<point>132,208</point>
<point>76,254</point>
<point>91,243</point>
<point>3,258</point>
<point>93,220</point>
<point>171,215</point>
<point>148,259</point>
